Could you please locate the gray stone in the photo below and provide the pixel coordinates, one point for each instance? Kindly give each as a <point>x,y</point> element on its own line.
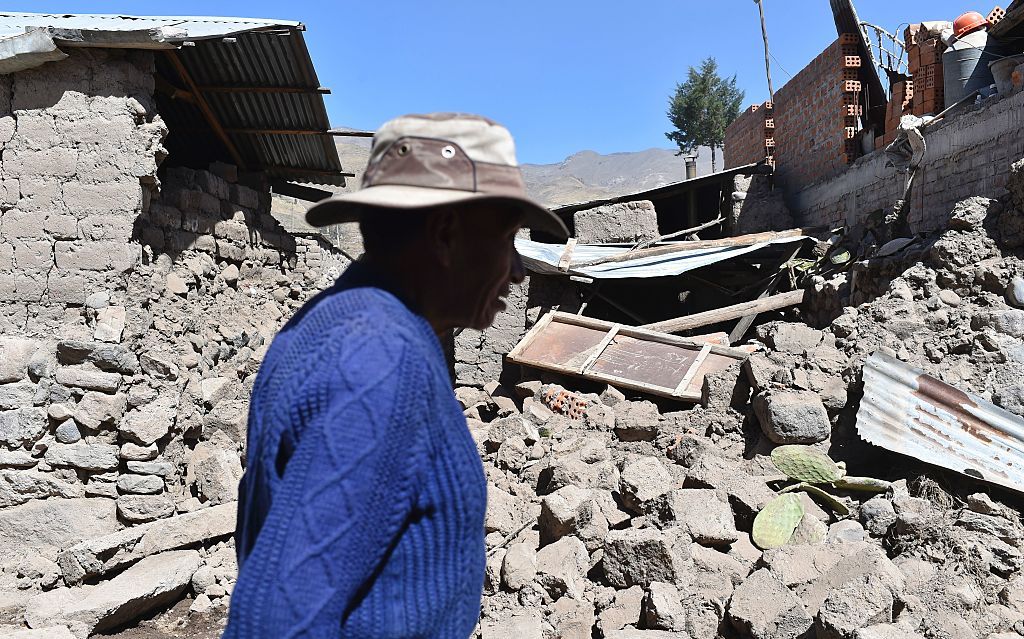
<point>662,608</point>
<point>636,421</point>
<point>77,377</point>
<point>17,459</point>
<point>562,566</point>
<point>572,511</point>
<point>100,409</point>
<point>519,566</point>
<point>20,486</point>
<point>621,222</point>
<point>572,619</point>
<point>176,285</point>
<point>633,633</point>
<point>523,625</point>
<point>574,471</point>
<point>142,508</point>
<point>110,322</point>
<point>889,631</point>
<point>99,555</point>
<point>877,514</point>
<point>160,468</point>
<point>856,604</point>
<point>505,512</point>
<point>15,353</point>
<point>67,432</point>
<point>643,480</point>
<point>36,571</point>
<point>140,484</point>
<point>106,357</point>
<point>846,530</point>
<point>17,395</point>
<point>22,426</point>
<point>1015,292</point>
<point>763,608</point>
<point>230,274</point>
<point>47,526</point>
<point>793,338</point>
<point>93,457</point>
<point>97,300</point>
<point>792,417</point>
<point>136,453</point>
<point>149,423</point>
<point>623,611</point>
<point>701,512</point>
<point>640,556</point>
<point>60,412</point>
<point>151,583</point>
<point>159,365</point>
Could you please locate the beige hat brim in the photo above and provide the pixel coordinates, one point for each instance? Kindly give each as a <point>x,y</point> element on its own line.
<point>347,207</point>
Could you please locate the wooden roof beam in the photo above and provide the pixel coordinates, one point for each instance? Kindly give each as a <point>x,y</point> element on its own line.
<point>332,132</point>
<point>204,107</point>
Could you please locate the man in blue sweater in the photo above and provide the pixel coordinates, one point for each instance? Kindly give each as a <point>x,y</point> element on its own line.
<point>361,511</point>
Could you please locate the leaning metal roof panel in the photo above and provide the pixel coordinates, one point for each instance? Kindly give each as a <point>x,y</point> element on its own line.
<point>256,75</point>
<point>908,411</point>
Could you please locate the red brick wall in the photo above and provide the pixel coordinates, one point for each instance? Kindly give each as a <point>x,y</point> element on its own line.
<point>747,138</point>
<point>815,120</point>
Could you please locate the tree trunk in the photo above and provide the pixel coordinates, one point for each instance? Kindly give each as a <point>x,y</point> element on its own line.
<point>712,158</point>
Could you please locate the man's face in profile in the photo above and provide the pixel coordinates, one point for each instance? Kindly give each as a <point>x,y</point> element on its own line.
<point>485,264</point>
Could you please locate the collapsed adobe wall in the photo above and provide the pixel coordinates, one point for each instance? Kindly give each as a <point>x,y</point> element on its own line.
<point>135,310</point>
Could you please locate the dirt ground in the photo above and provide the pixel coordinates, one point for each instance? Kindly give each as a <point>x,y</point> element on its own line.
<point>175,623</point>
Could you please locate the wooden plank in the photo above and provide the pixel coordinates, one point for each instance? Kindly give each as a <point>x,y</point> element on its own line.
<point>541,324</point>
<point>204,107</point>
<point>566,259</point>
<point>644,332</point>
<point>583,347</point>
<point>736,311</point>
<point>600,348</point>
<point>725,242</point>
<point>690,374</point>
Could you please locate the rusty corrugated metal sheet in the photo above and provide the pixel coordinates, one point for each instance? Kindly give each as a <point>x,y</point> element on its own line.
<point>908,411</point>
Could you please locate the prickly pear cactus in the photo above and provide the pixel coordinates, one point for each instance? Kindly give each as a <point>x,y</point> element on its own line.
<point>804,463</point>
<point>775,524</point>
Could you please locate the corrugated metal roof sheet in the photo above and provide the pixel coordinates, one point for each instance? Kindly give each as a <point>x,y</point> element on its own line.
<point>668,190</point>
<point>908,411</point>
<point>183,27</point>
<point>259,55</point>
<point>543,258</point>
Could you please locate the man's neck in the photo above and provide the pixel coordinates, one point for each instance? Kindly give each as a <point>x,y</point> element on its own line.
<point>407,281</point>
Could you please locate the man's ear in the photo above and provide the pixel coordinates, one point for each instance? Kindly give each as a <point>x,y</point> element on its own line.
<point>442,234</point>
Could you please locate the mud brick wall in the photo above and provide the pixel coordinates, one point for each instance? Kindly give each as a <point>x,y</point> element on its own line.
<point>135,308</point>
<point>967,154</point>
<point>813,121</point>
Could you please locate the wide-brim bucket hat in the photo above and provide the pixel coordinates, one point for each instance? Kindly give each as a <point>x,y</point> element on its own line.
<point>425,161</point>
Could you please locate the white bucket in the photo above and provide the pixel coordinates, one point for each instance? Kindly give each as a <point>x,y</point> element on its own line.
<point>1002,70</point>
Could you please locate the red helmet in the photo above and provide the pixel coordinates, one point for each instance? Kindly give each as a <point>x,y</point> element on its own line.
<point>968,22</point>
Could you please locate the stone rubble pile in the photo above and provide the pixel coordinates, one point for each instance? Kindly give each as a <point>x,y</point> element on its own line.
<point>616,517</point>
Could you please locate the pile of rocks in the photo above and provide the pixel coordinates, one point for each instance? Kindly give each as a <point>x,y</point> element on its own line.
<point>617,517</point>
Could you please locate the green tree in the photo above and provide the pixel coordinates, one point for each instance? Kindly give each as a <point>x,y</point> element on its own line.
<point>701,109</point>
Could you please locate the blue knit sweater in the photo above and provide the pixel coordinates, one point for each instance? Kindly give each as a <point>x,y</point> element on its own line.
<point>361,511</point>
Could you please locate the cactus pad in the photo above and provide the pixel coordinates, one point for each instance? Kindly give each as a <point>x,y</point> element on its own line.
<point>806,464</point>
<point>865,484</point>
<point>775,524</point>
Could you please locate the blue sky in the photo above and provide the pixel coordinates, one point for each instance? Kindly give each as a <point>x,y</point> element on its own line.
<point>563,75</point>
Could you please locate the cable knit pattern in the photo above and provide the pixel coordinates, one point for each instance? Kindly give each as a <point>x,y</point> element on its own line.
<point>361,512</point>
